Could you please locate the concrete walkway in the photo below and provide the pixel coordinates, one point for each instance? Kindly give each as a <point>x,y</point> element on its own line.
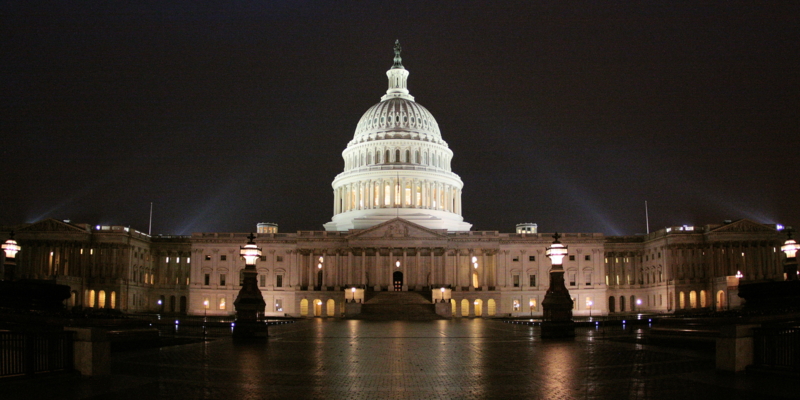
<point>447,359</point>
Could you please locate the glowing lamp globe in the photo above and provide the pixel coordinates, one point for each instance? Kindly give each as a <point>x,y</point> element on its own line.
<point>556,252</point>
<point>250,252</point>
<point>11,248</point>
<point>789,247</point>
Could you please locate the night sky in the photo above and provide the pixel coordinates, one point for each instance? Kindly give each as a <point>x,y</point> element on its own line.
<point>570,115</point>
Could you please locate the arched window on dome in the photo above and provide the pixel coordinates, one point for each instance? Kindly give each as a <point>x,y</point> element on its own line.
<point>416,156</point>
<point>369,158</point>
<point>408,156</point>
<point>386,158</point>
<point>433,159</point>
<point>425,158</point>
<point>397,156</point>
<point>361,162</point>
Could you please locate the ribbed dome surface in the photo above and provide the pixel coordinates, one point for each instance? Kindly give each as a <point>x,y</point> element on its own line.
<point>397,119</point>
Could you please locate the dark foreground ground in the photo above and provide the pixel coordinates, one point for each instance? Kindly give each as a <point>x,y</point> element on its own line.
<point>456,359</point>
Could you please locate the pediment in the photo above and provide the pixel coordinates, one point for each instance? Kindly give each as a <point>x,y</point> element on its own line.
<point>743,225</point>
<point>398,228</point>
<point>51,225</point>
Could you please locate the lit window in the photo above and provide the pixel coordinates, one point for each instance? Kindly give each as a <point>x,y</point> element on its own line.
<point>222,303</point>
<point>515,305</point>
<point>208,257</point>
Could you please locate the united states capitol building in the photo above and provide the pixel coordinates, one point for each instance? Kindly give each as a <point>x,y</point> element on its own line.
<point>397,225</point>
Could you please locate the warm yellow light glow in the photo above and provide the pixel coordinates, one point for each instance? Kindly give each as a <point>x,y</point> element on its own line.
<point>353,290</point>
<point>11,248</point>
<point>397,264</point>
<point>250,252</point>
<point>790,247</point>
<point>556,252</point>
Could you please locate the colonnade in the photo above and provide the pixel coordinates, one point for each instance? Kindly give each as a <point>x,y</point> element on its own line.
<point>375,267</point>
<point>397,193</point>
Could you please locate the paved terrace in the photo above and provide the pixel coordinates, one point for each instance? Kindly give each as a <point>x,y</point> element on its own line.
<point>446,359</point>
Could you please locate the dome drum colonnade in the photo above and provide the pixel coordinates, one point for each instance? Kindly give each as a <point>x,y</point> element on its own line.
<point>397,165</point>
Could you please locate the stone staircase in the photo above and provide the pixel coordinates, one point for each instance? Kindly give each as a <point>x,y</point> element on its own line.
<point>398,306</point>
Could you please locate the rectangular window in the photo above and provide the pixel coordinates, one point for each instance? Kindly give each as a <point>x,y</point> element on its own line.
<point>587,257</point>
<point>279,258</point>
<point>515,259</point>
<point>223,257</point>
<point>222,279</point>
<point>531,258</point>
<point>588,276</point>
<point>532,279</point>
<point>262,280</point>
<point>208,257</point>
<point>263,258</point>
<point>279,305</point>
<point>572,258</point>
<point>207,280</point>
<point>279,280</point>
<point>516,280</point>
<point>572,279</point>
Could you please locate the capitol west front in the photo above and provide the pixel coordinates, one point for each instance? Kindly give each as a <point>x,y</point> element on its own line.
<point>397,225</point>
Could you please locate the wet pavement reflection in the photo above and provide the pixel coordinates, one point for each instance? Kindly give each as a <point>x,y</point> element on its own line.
<point>462,358</point>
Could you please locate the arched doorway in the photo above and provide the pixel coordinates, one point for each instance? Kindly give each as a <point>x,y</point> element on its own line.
<point>317,308</point>
<point>397,278</point>
<point>720,300</point>
<point>183,304</point>
<point>171,303</point>
<point>331,311</point>
<point>621,303</point>
<point>611,304</point>
<point>491,307</point>
<point>454,308</point>
<point>464,307</point>
<point>475,281</point>
<point>304,307</point>
<point>478,307</point>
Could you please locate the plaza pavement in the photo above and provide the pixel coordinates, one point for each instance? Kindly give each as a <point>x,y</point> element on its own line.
<point>446,359</point>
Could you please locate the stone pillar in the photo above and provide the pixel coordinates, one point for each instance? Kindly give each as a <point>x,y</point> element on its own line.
<point>734,347</point>
<point>92,351</point>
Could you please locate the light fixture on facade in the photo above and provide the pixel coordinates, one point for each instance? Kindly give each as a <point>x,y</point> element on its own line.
<point>397,264</point>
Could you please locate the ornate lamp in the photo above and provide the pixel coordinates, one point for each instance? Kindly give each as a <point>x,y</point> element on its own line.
<point>249,303</point>
<point>557,303</point>
<point>790,248</point>
<point>11,248</point>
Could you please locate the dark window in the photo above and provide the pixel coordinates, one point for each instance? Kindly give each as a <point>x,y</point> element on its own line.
<point>572,258</point>
<point>280,258</point>
<point>222,279</point>
<point>572,279</point>
<point>587,258</point>
<point>223,257</point>
<point>531,258</point>
<point>515,259</point>
<point>279,281</point>
<point>263,258</point>
<point>207,280</point>
<point>532,280</point>
<point>516,280</point>
<point>262,280</point>
<point>208,258</point>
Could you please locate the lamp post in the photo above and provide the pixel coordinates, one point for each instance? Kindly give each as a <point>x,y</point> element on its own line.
<point>557,303</point>
<point>11,248</point>
<point>590,304</point>
<point>249,303</point>
<point>790,248</point>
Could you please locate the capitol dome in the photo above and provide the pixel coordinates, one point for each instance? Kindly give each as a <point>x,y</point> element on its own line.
<point>397,118</point>
<point>397,166</point>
